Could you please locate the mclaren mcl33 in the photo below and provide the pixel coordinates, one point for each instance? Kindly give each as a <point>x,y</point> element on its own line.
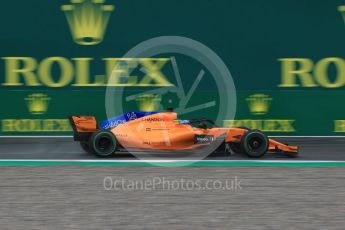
<point>162,131</point>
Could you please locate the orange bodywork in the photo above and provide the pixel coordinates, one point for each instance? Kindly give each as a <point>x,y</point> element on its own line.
<point>275,146</point>
<point>82,124</point>
<point>162,131</point>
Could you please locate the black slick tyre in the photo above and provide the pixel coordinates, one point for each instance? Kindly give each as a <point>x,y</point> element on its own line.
<point>103,143</point>
<point>254,143</point>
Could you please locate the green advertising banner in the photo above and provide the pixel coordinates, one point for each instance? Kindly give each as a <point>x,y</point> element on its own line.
<point>277,66</point>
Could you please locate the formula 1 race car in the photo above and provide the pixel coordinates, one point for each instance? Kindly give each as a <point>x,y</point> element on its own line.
<point>162,131</point>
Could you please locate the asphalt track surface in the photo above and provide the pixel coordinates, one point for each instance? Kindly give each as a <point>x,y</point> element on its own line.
<point>74,197</point>
<point>66,148</point>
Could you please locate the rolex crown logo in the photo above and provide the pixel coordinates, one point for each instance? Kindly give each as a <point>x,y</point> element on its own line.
<point>341,9</point>
<point>259,103</point>
<point>37,103</point>
<point>88,20</point>
<point>148,102</point>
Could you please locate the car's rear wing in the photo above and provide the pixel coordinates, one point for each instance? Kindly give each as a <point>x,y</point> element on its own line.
<point>83,126</point>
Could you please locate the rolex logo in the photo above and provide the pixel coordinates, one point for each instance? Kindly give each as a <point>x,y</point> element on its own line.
<point>88,20</point>
<point>259,103</point>
<point>341,9</point>
<point>148,102</point>
<point>37,103</point>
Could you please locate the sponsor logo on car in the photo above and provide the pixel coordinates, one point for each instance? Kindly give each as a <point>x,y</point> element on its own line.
<point>200,139</point>
<point>152,119</point>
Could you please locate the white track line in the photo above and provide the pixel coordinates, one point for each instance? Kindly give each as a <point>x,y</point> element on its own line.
<point>172,161</point>
<point>70,136</point>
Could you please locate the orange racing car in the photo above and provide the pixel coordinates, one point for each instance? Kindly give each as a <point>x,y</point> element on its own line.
<point>162,131</point>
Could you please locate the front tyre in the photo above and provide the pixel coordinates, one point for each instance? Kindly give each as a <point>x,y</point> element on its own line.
<point>103,143</point>
<point>254,143</point>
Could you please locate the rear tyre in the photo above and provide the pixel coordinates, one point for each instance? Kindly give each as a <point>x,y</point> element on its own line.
<point>254,143</point>
<point>103,143</point>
